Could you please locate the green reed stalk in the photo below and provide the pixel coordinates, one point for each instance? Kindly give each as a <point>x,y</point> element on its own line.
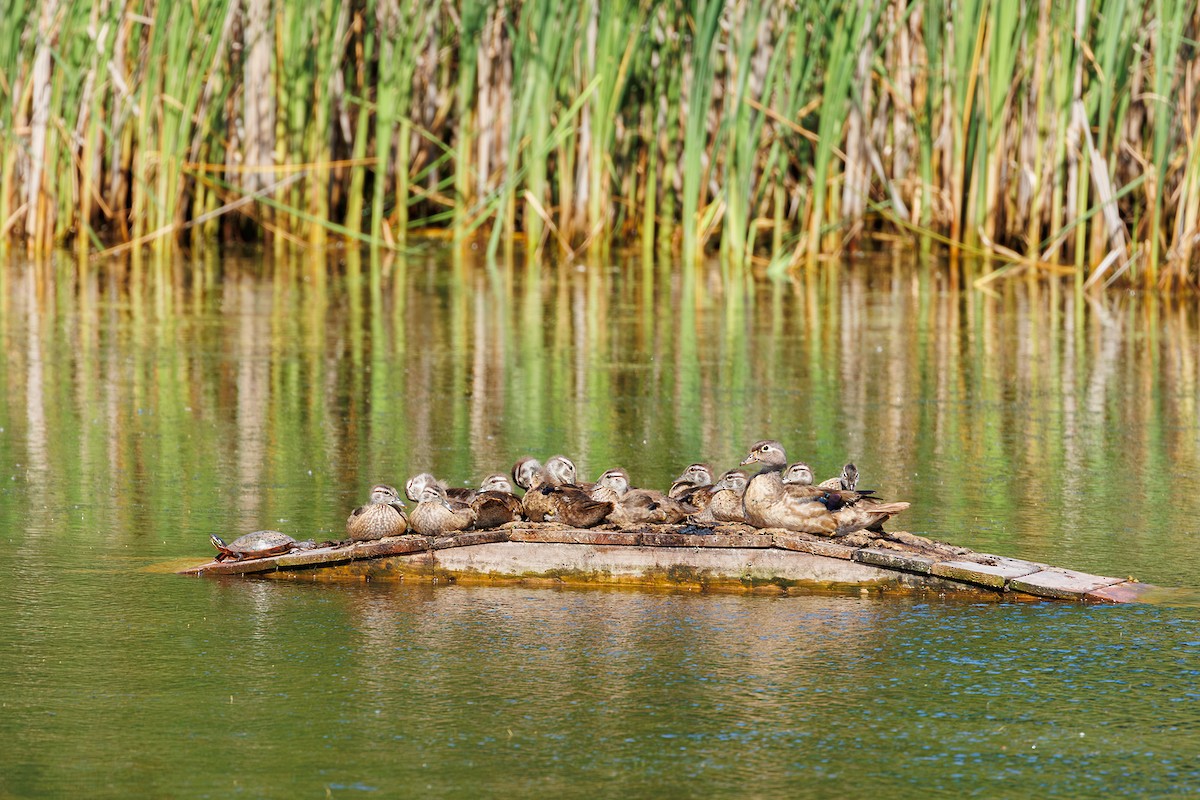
<point>698,72</point>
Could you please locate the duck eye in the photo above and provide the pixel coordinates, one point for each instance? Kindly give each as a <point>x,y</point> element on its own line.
<point>765,447</point>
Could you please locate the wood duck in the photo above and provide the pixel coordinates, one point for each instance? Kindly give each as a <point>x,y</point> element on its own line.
<point>414,485</point>
<point>551,497</point>
<point>382,516</point>
<point>725,505</point>
<point>799,474</point>
<point>525,470</point>
<point>639,506</point>
<point>847,480</point>
<point>495,504</point>
<point>438,515</point>
<point>771,503</point>
<point>696,475</point>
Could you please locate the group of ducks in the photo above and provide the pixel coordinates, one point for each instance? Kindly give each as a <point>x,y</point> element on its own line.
<point>777,496</point>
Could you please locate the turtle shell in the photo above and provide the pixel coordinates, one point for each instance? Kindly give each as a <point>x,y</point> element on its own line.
<point>259,544</point>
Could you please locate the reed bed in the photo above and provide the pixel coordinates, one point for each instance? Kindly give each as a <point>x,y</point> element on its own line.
<point>1060,137</point>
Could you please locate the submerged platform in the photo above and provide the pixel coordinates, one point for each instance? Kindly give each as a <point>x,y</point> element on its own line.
<point>729,558</point>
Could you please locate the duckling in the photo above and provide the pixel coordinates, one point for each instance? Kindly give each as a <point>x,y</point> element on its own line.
<point>551,497</point>
<point>639,506</point>
<point>494,503</point>
<point>847,480</point>
<point>696,475</point>
<point>414,485</point>
<point>382,516</point>
<point>770,503</point>
<point>525,470</point>
<point>437,515</point>
<point>799,473</point>
<point>563,470</point>
<point>725,505</point>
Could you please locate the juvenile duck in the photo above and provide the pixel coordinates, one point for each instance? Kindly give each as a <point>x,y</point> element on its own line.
<point>552,497</point>
<point>799,474</point>
<point>563,470</point>
<point>414,485</point>
<point>639,506</point>
<point>382,516</point>
<point>696,475</point>
<point>495,504</point>
<point>437,515</point>
<point>770,503</point>
<point>847,480</point>
<point>525,470</point>
<point>725,505</point>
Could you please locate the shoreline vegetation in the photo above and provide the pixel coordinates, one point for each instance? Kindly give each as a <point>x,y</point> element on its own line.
<point>1059,138</point>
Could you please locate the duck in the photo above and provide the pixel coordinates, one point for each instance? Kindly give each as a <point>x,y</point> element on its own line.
<point>768,502</point>
<point>799,474</point>
<point>552,496</point>
<point>696,475</point>
<point>438,515</point>
<point>725,504</point>
<point>414,485</point>
<point>563,470</point>
<point>847,480</point>
<point>524,470</point>
<point>495,504</point>
<point>382,516</point>
<point>638,506</point>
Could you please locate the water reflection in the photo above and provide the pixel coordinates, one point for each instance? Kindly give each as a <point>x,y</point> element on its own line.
<point>1029,420</point>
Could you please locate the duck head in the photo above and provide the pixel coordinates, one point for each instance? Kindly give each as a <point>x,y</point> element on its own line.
<point>560,470</point>
<point>697,474</point>
<point>734,479</point>
<point>767,452</point>
<point>615,479</point>
<point>799,474</point>
<point>849,477</point>
<point>414,485</point>
<point>496,483</point>
<point>434,494</point>
<point>524,470</point>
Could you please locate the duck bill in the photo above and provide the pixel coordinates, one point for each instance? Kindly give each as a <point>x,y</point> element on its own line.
<point>750,459</point>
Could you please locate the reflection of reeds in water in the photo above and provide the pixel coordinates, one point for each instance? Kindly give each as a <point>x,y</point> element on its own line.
<point>1062,135</point>
<point>1027,412</point>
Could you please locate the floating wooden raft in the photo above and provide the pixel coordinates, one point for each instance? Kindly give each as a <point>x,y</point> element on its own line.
<point>684,556</point>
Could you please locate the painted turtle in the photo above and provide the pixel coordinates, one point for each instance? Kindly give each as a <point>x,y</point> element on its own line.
<point>259,544</point>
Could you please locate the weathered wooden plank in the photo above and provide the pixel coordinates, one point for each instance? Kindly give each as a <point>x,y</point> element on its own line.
<point>894,559</point>
<point>1061,584</point>
<point>468,538</point>
<point>802,543</point>
<point>709,540</point>
<point>995,575</point>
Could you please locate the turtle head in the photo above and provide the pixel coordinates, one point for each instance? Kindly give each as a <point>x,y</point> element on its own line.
<point>217,541</point>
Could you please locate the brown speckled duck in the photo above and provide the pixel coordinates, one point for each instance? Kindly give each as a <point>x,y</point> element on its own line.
<point>414,485</point>
<point>382,516</point>
<point>553,497</point>
<point>726,502</point>
<point>696,475</point>
<point>770,503</point>
<point>438,515</point>
<point>495,504</point>
<point>639,506</point>
<point>848,480</point>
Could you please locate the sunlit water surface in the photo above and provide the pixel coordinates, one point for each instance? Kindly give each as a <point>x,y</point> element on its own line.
<point>143,411</point>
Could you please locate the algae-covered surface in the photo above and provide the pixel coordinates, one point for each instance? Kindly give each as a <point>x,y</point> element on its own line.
<point>143,412</point>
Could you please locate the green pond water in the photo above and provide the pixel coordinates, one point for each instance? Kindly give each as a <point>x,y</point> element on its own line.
<point>144,410</point>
